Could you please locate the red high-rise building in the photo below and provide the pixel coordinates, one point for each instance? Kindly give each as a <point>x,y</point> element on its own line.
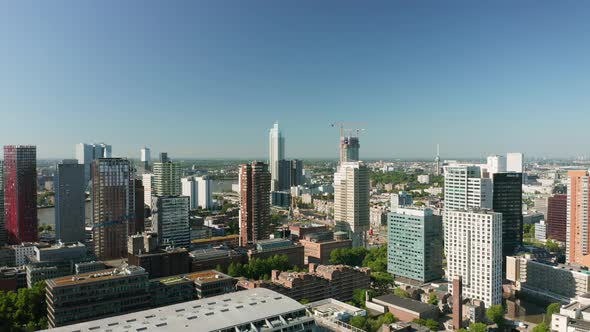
<point>557,217</point>
<point>254,203</point>
<point>20,193</point>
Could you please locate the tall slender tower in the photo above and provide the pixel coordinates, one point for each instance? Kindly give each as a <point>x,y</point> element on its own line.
<point>276,144</point>
<point>20,193</point>
<point>112,206</point>
<point>70,200</point>
<point>577,248</point>
<point>167,179</point>
<point>349,146</point>
<point>437,161</point>
<point>254,184</point>
<point>145,157</point>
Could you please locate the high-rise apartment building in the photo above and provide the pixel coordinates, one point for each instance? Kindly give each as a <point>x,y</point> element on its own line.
<point>170,218</point>
<point>3,234</point>
<point>557,217</point>
<point>507,199</point>
<point>70,201</point>
<point>112,207</point>
<point>145,157</point>
<point>167,179</point>
<point>578,209</point>
<point>496,164</point>
<point>199,191</point>
<point>276,144</point>
<point>164,157</point>
<point>415,244</point>
<point>473,246</point>
<point>254,182</point>
<point>465,188</point>
<point>514,162</point>
<point>351,201</point>
<point>20,193</point>
<point>87,153</point>
<point>284,177</point>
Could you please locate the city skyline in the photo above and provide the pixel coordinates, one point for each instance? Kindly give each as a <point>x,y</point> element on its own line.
<point>171,79</point>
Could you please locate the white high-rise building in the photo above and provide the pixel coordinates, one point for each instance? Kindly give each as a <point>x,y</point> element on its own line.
<point>190,190</point>
<point>465,188</point>
<point>146,157</point>
<point>148,183</point>
<point>351,201</point>
<point>514,162</point>
<point>167,179</point>
<point>205,193</point>
<point>496,164</point>
<point>473,247</point>
<point>276,143</point>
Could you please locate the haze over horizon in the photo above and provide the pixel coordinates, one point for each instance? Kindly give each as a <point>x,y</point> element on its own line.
<point>207,79</point>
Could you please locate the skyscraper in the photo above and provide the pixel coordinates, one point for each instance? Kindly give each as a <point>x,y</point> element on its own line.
<point>276,143</point>
<point>557,217</point>
<point>514,162</point>
<point>254,182</point>
<point>351,201</point>
<point>167,179</point>
<point>139,196</point>
<point>415,244</point>
<point>297,178</point>
<point>111,206</point>
<point>3,234</point>
<point>473,247</point>
<point>284,177</point>
<point>578,209</point>
<point>87,153</point>
<point>146,157</point>
<point>171,220</point>
<point>20,193</point>
<point>349,148</point>
<point>507,199</point>
<point>205,189</point>
<point>70,200</point>
<point>164,157</point>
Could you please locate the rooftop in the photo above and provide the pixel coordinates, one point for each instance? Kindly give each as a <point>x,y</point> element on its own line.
<point>206,276</point>
<point>210,314</point>
<point>90,277</point>
<point>409,304</point>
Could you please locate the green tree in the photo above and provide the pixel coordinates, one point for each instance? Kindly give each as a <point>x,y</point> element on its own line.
<point>401,293</point>
<point>552,246</point>
<point>432,324</point>
<point>553,308</point>
<point>478,327</point>
<point>432,299</point>
<point>496,314</point>
<point>359,322</point>
<point>348,256</point>
<point>541,328</point>
<point>382,281</point>
<point>304,301</point>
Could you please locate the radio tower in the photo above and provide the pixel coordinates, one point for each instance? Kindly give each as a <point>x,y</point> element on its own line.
<point>437,161</point>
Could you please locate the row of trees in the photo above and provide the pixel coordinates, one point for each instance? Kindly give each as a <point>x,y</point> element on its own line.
<point>260,268</point>
<point>24,310</point>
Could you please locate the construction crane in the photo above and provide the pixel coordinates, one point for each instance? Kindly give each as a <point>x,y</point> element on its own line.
<point>347,128</point>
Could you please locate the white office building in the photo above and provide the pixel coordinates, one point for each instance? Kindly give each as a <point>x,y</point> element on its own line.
<point>199,191</point>
<point>496,164</point>
<point>189,189</point>
<point>145,157</point>
<point>276,143</point>
<point>514,162</point>
<point>351,201</point>
<point>473,246</point>
<point>465,188</point>
<point>148,183</point>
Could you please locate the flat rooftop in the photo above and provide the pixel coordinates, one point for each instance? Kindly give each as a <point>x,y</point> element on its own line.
<point>401,302</point>
<point>329,307</point>
<point>96,276</point>
<point>206,276</point>
<point>210,314</point>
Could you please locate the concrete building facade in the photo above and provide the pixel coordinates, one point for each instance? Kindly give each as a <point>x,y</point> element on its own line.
<point>351,201</point>
<point>70,201</point>
<point>254,181</point>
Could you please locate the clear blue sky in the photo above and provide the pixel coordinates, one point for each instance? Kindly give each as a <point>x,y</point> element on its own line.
<point>208,78</point>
